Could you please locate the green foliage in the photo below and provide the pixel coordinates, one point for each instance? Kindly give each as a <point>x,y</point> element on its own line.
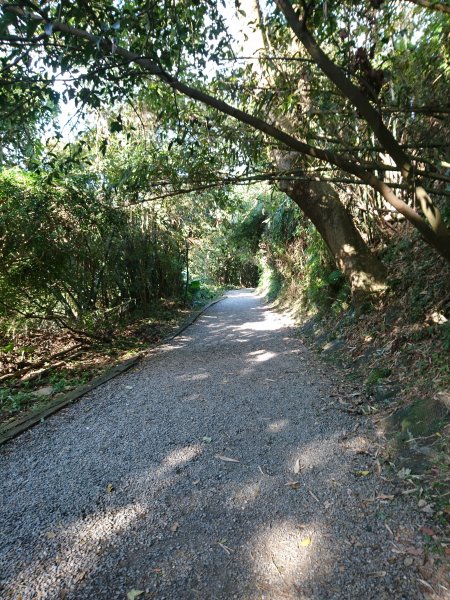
<point>271,281</point>
<point>298,264</point>
<point>199,292</point>
<point>446,335</point>
<point>75,242</point>
<point>228,254</point>
<point>194,286</point>
<point>375,376</point>
<point>13,400</point>
<point>68,253</point>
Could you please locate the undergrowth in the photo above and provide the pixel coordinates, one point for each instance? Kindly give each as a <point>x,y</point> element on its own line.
<point>23,346</point>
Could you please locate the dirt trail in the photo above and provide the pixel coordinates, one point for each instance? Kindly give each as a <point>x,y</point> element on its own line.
<point>126,489</point>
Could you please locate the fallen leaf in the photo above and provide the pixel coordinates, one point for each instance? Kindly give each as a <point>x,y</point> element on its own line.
<point>427,530</point>
<point>227,458</point>
<point>297,467</point>
<point>305,542</point>
<point>363,473</point>
<point>175,527</point>
<point>279,568</point>
<point>133,594</point>
<point>426,585</point>
<point>408,561</point>
<point>414,551</point>
<point>207,439</point>
<point>404,473</point>
<point>110,487</point>
<point>50,535</point>
<point>293,484</point>
<point>314,496</point>
<point>385,497</point>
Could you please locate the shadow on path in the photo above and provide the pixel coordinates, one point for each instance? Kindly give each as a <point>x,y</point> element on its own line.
<point>129,487</point>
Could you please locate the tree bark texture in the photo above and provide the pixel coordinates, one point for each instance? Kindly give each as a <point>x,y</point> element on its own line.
<point>362,269</point>
<point>319,202</point>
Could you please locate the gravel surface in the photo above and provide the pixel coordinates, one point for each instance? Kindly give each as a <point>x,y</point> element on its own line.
<point>128,488</point>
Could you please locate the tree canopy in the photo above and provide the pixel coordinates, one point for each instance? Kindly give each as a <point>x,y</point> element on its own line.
<point>341,104</point>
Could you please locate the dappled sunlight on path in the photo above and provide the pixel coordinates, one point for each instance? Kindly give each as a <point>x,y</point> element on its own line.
<point>220,467</point>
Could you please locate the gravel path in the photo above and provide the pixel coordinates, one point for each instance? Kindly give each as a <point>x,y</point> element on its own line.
<point>126,488</point>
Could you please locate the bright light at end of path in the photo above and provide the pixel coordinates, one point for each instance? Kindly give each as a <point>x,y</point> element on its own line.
<point>248,293</point>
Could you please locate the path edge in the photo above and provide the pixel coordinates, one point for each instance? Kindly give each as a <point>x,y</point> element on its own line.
<point>32,418</point>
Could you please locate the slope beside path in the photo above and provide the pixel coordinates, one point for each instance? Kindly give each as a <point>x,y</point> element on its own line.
<point>222,466</point>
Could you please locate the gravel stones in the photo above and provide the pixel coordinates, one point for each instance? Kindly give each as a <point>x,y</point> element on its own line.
<point>124,490</point>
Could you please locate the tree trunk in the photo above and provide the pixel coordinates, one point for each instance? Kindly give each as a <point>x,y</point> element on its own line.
<point>318,200</point>
<point>321,204</point>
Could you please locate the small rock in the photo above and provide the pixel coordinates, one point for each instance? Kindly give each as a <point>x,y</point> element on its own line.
<point>44,391</point>
<point>385,391</point>
<point>333,346</point>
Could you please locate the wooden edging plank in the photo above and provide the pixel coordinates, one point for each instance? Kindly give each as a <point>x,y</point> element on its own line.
<point>18,426</point>
<point>189,322</point>
<point>13,429</point>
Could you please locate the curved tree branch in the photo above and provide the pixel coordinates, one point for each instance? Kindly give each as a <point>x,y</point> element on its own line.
<point>371,116</point>
<point>433,4</point>
<point>347,87</point>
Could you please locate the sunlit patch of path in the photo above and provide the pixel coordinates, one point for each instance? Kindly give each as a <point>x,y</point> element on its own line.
<point>133,486</point>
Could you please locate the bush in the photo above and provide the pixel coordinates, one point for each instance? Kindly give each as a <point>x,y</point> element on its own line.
<point>67,252</point>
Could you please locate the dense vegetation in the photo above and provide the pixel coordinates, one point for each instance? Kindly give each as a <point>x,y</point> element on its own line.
<point>300,147</point>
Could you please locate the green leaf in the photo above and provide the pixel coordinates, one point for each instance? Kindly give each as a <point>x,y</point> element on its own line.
<point>133,594</point>
<point>116,125</point>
